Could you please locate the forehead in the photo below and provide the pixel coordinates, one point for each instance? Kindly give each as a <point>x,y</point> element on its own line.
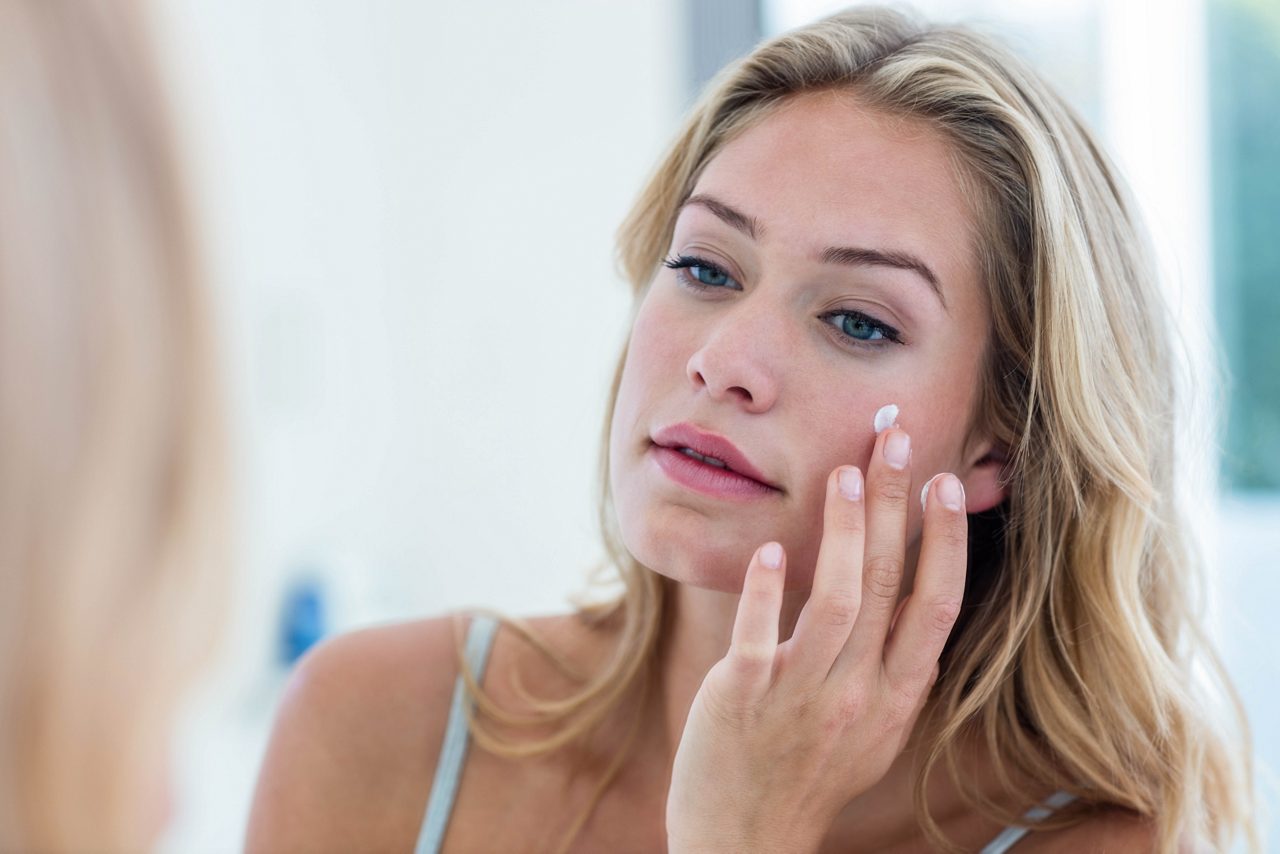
<point>823,169</point>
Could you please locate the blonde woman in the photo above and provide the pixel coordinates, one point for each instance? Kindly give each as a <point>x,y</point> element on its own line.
<point>111,447</point>
<point>889,479</point>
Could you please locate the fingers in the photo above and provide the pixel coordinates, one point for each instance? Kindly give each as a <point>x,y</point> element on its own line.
<point>834,603</point>
<point>888,491</point>
<point>908,729</point>
<point>931,610</point>
<point>755,627</point>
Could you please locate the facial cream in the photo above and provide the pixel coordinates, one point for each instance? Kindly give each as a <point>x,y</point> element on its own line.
<point>885,417</point>
<point>924,491</point>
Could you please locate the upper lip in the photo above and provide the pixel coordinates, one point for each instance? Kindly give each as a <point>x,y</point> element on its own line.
<point>686,435</point>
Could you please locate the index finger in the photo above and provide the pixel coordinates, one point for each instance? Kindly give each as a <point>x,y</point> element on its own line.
<point>828,616</point>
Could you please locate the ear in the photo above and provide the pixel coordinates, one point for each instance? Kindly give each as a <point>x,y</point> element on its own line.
<point>983,487</point>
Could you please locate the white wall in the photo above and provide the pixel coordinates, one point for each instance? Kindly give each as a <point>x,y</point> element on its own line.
<point>412,207</point>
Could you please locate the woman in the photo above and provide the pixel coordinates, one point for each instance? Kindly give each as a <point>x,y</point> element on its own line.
<point>881,260</point>
<point>111,448</point>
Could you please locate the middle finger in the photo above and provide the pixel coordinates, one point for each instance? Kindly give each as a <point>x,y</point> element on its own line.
<point>888,491</point>
<point>828,616</point>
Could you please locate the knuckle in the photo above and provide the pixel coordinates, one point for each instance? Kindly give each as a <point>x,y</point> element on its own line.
<point>851,706</point>
<point>942,612</point>
<point>843,711</point>
<point>899,709</point>
<point>881,575</point>
<point>840,606</point>
<point>733,716</point>
<point>723,700</point>
<point>808,707</point>
<point>758,594</point>
<point>891,488</point>
<point>750,655</point>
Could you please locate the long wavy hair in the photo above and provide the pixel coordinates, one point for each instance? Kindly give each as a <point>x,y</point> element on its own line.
<point>1079,659</point>
<point>112,456</point>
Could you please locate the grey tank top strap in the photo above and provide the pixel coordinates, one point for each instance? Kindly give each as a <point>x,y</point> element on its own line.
<point>453,752</point>
<point>1010,835</point>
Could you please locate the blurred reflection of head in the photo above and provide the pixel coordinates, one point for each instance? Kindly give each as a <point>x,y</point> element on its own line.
<point>111,443</point>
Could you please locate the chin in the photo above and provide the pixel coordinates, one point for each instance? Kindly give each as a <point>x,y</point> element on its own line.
<point>709,567</point>
<point>704,575</point>
<point>710,576</point>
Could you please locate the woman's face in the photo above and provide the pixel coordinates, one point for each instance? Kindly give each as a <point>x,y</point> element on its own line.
<point>835,251</point>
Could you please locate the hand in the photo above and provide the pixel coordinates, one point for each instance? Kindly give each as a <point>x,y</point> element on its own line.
<point>781,737</point>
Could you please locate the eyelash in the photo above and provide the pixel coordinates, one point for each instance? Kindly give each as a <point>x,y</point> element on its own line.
<point>681,264</point>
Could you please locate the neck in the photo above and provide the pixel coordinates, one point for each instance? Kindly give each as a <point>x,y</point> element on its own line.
<point>697,634</point>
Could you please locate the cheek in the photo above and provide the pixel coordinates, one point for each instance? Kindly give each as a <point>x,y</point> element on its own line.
<point>648,376</point>
<point>940,426</point>
<point>843,433</point>
<point>654,352</point>
<point>828,421</point>
<point>837,432</point>
<point>841,430</point>
<point>649,352</point>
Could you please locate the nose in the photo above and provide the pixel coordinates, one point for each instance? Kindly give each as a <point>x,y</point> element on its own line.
<point>740,357</point>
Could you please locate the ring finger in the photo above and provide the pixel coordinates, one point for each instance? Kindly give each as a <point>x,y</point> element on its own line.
<point>888,491</point>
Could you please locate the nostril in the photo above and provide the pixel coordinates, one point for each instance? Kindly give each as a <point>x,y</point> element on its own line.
<point>736,377</point>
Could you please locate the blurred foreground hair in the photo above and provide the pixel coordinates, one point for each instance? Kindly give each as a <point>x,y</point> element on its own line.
<point>112,453</point>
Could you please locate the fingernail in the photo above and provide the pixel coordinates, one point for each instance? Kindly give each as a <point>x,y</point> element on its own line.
<point>924,491</point>
<point>951,492</point>
<point>897,449</point>
<point>850,482</point>
<point>771,555</point>
<point>885,417</point>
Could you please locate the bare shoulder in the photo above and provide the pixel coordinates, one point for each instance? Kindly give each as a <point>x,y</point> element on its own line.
<point>359,730</point>
<point>1108,831</point>
<point>356,739</point>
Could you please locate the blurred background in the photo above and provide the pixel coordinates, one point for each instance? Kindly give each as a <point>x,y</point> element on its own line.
<point>411,208</point>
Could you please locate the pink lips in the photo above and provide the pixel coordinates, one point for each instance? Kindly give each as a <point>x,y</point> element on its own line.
<point>741,477</point>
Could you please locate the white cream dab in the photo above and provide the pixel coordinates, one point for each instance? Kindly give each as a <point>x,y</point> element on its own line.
<point>885,417</point>
<point>924,492</point>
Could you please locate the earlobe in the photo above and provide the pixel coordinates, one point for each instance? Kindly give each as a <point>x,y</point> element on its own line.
<point>984,486</point>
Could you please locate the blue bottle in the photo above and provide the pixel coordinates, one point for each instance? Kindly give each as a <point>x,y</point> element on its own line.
<point>303,619</point>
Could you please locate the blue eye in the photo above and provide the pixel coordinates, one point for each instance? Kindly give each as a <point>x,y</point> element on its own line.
<point>709,275</point>
<point>856,329</point>
<point>701,274</point>
<point>862,328</point>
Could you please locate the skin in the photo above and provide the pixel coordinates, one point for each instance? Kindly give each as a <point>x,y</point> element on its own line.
<point>758,363</point>
<point>764,669</point>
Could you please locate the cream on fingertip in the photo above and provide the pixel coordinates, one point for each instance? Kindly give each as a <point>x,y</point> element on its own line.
<point>886,417</point>
<point>924,491</point>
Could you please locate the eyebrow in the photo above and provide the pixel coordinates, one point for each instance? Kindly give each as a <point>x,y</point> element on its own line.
<point>846,255</point>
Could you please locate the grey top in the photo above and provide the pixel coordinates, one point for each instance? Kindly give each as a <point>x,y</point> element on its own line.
<point>453,755</point>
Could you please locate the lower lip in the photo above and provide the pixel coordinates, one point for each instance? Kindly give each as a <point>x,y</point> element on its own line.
<point>706,478</point>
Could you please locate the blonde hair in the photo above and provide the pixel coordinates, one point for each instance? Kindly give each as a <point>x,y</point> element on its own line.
<point>1076,657</point>
<point>112,458</point>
